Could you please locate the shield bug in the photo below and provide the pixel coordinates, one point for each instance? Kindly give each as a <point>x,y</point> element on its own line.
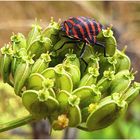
<point>83,29</point>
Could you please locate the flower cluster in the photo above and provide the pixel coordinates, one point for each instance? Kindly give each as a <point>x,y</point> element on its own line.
<point>46,71</point>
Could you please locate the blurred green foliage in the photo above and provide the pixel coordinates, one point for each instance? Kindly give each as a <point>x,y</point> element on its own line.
<point>11,108</point>
<point>11,105</point>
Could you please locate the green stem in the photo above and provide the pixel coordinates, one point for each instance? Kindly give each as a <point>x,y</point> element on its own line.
<point>16,123</point>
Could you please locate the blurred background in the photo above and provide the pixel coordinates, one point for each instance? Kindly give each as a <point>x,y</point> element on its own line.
<point>19,16</point>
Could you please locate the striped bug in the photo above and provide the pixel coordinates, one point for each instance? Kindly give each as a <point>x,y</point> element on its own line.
<point>83,29</point>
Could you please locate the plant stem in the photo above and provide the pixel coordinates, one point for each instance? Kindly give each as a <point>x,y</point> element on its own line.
<point>70,133</point>
<point>16,123</point>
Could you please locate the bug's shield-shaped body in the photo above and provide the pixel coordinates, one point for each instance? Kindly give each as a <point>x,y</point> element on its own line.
<point>82,28</point>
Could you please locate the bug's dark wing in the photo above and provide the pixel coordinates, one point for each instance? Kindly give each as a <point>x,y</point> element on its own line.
<point>95,27</point>
<point>83,28</point>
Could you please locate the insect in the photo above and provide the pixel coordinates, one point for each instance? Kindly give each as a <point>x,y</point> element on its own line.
<point>83,29</point>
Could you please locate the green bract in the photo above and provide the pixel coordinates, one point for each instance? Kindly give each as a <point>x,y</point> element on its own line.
<point>90,77</point>
<point>39,103</point>
<point>123,78</point>
<point>87,95</point>
<point>54,83</point>
<point>18,41</point>
<point>105,81</point>
<point>72,59</point>
<point>123,61</point>
<point>42,63</point>
<point>5,63</point>
<point>132,92</point>
<point>39,46</point>
<point>62,76</point>
<point>17,57</point>
<point>106,63</point>
<point>110,45</point>
<point>107,38</point>
<point>52,31</point>
<point>105,113</point>
<point>33,34</point>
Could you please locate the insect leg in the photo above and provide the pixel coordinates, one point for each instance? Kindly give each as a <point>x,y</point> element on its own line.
<point>67,42</point>
<point>101,45</point>
<point>70,38</point>
<point>83,50</point>
<point>82,53</point>
<point>84,62</point>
